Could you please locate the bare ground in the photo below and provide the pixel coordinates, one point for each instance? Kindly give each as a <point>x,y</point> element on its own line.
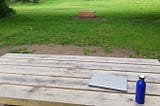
<point>72,50</point>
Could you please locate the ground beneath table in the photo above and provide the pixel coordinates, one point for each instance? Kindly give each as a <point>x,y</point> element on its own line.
<point>72,50</point>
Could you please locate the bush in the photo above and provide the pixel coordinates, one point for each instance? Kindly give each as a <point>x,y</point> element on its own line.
<point>5,10</point>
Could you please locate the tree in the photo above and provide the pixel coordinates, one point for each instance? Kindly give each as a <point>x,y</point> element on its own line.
<point>2,1</point>
<point>5,10</point>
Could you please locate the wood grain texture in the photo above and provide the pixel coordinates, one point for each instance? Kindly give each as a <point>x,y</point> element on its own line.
<point>82,65</point>
<point>84,58</point>
<point>62,80</point>
<point>73,96</point>
<point>67,83</point>
<point>29,102</point>
<point>71,72</point>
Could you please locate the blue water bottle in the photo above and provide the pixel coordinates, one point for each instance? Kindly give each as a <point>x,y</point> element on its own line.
<point>140,90</point>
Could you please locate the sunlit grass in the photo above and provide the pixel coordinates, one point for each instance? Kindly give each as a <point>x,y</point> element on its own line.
<point>133,24</point>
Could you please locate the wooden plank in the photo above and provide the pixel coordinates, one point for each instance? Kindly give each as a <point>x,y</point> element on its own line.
<point>72,73</point>
<point>68,83</point>
<point>65,82</point>
<point>84,58</point>
<point>28,102</point>
<point>73,96</point>
<point>82,65</point>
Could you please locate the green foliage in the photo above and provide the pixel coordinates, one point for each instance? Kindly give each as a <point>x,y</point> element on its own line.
<point>5,10</point>
<point>20,50</point>
<point>108,50</point>
<point>87,51</point>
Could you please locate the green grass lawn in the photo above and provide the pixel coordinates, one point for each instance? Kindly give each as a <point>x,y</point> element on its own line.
<point>133,24</point>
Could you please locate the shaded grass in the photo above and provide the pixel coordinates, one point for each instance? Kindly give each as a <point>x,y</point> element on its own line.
<point>86,51</point>
<point>20,50</point>
<point>135,25</point>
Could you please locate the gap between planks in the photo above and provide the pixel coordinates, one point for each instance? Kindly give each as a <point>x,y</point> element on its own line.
<point>65,72</point>
<point>67,83</point>
<point>74,96</point>
<point>78,89</point>
<point>83,65</point>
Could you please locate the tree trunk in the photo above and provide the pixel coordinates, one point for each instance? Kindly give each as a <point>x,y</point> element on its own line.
<point>2,1</point>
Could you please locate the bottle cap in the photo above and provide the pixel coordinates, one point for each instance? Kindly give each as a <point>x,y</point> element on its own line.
<point>142,76</point>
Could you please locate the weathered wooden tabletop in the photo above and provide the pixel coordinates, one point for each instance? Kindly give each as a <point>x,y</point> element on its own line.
<point>47,80</point>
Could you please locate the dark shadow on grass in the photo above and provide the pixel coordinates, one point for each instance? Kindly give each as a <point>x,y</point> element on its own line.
<point>60,16</point>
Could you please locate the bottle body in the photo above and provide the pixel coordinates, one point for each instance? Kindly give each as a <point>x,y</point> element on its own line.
<point>140,91</point>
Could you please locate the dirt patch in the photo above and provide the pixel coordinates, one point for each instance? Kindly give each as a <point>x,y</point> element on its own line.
<point>58,49</point>
<point>95,18</point>
<point>69,50</point>
<point>4,50</point>
<point>118,52</point>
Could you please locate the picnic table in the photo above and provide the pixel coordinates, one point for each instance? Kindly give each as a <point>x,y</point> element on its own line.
<point>62,80</point>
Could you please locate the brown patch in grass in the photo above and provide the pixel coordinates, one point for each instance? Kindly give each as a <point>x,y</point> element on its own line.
<point>95,18</point>
<point>72,50</point>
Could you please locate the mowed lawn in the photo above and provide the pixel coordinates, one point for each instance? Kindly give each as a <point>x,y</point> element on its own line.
<point>131,24</point>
